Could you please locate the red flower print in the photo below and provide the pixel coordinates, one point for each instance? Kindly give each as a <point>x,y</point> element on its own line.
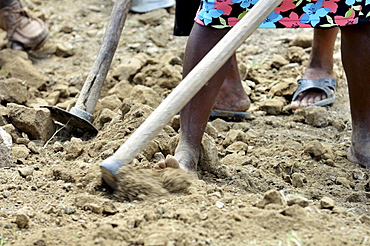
<point>224,5</point>
<point>285,6</point>
<point>331,5</point>
<point>232,21</point>
<point>291,21</point>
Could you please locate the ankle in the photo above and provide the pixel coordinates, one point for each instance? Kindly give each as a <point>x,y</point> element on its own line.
<point>318,72</point>
<point>187,157</point>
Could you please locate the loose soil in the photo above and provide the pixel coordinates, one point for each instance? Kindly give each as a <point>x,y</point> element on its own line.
<point>281,178</point>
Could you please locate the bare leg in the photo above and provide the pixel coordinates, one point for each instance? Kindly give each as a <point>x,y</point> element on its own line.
<point>194,116</point>
<point>232,95</point>
<point>320,65</point>
<point>355,54</point>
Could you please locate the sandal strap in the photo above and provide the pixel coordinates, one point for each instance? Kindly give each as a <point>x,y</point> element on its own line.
<point>327,85</point>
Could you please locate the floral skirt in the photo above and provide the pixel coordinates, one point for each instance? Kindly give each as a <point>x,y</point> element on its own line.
<point>290,13</point>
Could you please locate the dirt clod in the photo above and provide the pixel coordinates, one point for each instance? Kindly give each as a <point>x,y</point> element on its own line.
<point>26,171</point>
<point>271,197</point>
<point>327,203</point>
<point>22,220</point>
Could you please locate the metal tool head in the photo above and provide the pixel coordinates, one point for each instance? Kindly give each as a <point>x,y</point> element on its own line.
<point>109,168</point>
<point>72,118</point>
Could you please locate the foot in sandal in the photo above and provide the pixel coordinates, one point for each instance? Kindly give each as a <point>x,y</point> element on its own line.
<point>314,92</point>
<point>317,88</point>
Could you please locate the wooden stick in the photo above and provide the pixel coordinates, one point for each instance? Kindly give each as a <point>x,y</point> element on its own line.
<point>194,81</point>
<point>90,91</point>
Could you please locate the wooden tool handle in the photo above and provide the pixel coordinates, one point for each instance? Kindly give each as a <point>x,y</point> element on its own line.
<point>195,80</point>
<point>90,91</point>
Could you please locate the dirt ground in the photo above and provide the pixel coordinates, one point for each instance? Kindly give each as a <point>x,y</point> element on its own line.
<point>281,178</point>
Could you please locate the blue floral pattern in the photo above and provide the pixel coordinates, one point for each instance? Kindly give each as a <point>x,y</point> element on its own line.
<point>208,12</point>
<point>313,12</point>
<point>271,20</point>
<point>290,13</point>
<point>245,3</point>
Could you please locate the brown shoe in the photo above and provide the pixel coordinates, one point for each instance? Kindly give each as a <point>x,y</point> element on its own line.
<point>24,31</point>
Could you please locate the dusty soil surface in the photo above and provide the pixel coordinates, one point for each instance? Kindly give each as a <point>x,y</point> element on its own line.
<point>281,178</point>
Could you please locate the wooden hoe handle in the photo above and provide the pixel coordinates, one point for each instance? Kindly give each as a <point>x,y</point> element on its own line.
<point>190,85</point>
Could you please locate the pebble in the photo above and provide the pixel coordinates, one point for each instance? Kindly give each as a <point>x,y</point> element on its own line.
<point>271,197</point>
<point>343,181</point>
<point>217,194</point>
<point>26,171</point>
<point>20,152</point>
<point>29,211</point>
<point>109,208</point>
<point>358,175</point>
<point>94,8</point>
<point>326,203</point>
<point>66,29</point>
<point>7,194</point>
<point>299,200</point>
<point>298,180</point>
<point>39,243</point>
<point>22,220</point>
<point>33,147</point>
<point>57,146</point>
<point>220,204</point>
<point>69,210</point>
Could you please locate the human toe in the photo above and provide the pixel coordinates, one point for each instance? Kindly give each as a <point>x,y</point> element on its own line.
<point>297,102</point>
<point>170,161</point>
<point>294,104</point>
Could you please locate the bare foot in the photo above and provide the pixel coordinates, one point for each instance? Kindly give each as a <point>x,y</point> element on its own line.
<point>359,158</point>
<point>170,161</point>
<point>184,159</point>
<point>310,97</point>
<point>232,97</point>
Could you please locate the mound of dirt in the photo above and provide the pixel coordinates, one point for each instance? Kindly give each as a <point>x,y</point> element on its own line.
<point>136,183</point>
